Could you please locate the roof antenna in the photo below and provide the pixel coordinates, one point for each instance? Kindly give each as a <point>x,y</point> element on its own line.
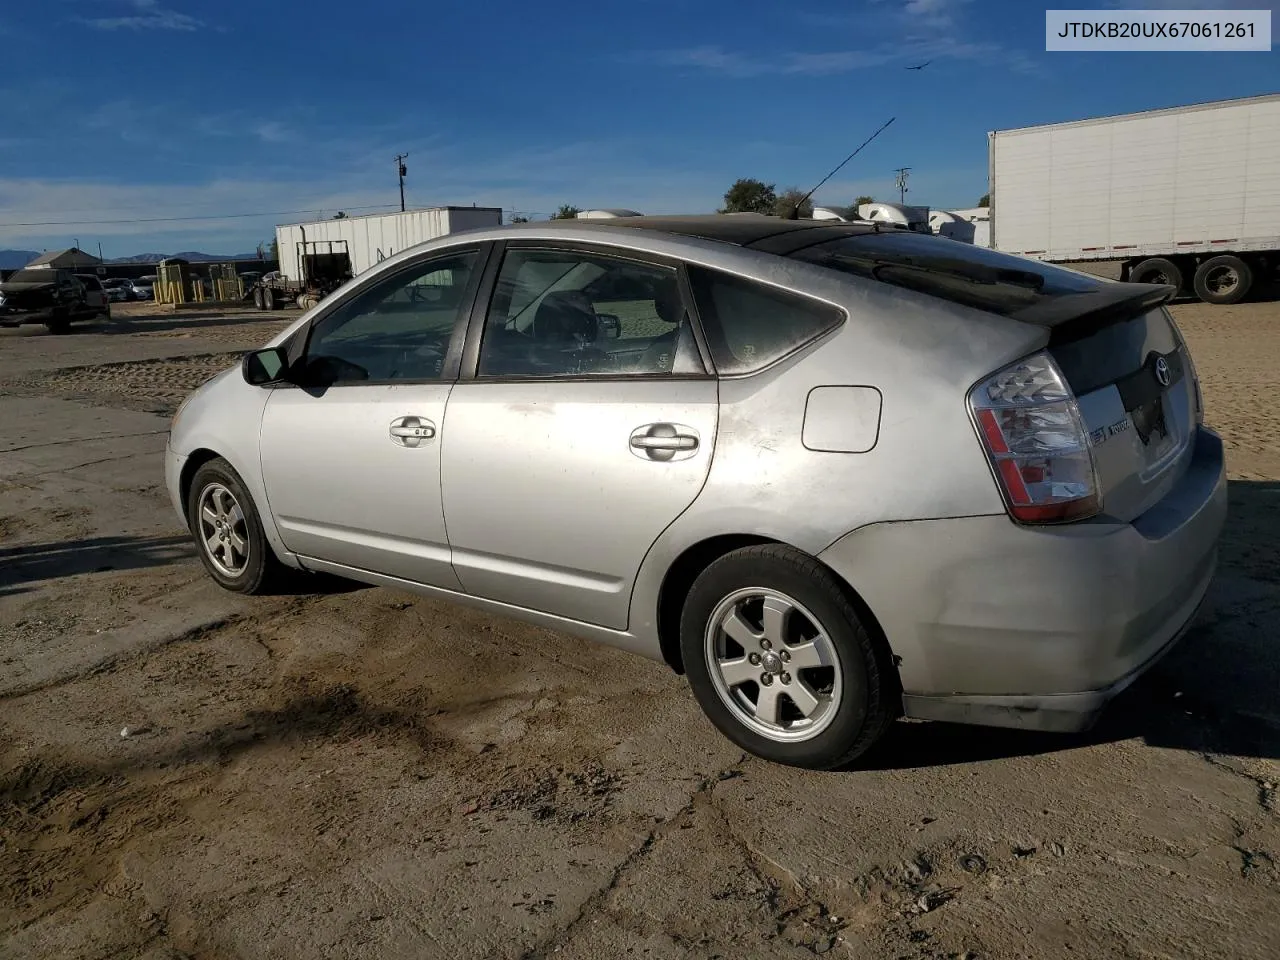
<point>795,211</point>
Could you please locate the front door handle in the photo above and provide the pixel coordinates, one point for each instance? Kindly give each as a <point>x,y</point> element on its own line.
<point>664,441</point>
<point>411,431</point>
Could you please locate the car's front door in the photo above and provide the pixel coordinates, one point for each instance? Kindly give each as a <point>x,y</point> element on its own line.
<point>587,430</point>
<point>351,448</point>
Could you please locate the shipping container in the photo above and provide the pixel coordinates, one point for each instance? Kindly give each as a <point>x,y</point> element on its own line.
<point>1188,195</point>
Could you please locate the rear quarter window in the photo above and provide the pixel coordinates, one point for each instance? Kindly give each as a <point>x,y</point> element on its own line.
<point>749,325</point>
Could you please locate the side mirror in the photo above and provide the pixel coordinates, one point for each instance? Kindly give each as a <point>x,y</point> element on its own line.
<point>265,366</point>
<point>610,326</point>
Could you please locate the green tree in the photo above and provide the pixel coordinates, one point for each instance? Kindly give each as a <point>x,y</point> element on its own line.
<point>566,212</point>
<point>272,252</point>
<point>984,200</point>
<point>788,201</point>
<point>750,196</point>
<point>859,201</point>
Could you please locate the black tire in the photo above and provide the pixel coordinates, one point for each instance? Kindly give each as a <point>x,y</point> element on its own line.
<point>1223,280</point>
<point>262,572</point>
<point>269,301</point>
<point>870,699</point>
<point>257,298</point>
<point>1157,270</point>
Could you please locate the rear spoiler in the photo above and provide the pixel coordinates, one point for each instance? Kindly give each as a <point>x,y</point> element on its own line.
<point>1074,316</point>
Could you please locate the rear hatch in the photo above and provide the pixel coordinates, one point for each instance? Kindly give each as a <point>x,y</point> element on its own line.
<point>1115,344</point>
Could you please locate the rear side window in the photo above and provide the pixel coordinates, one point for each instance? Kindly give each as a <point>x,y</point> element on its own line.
<point>953,271</point>
<point>749,325</point>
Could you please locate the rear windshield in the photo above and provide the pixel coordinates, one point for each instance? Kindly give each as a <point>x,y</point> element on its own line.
<point>950,270</point>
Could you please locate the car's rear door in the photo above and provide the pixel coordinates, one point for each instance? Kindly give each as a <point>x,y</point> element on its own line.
<point>577,440</point>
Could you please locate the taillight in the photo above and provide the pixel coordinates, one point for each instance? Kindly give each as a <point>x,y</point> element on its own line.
<point>1032,430</point>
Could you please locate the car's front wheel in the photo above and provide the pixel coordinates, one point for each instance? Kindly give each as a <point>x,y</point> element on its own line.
<point>780,661</point>
<point>228,531</point>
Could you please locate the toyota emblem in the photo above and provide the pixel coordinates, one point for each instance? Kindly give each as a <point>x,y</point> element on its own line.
<point>1163,376</point>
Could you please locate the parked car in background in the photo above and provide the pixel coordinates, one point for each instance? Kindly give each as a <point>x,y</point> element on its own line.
<point>95,295</point>
<point>144,288</point>
<point>832,472</point>
<point>118,289</point>
<point>53,297</point>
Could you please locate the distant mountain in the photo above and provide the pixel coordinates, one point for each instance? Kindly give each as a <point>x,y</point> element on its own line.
<point>194,256</point>
<point>13,259</point>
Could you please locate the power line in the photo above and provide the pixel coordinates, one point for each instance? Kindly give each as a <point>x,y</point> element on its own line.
<point>209,216</point>
<point>231,216</point>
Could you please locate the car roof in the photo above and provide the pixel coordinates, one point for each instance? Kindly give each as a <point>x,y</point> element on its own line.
<point>752,230</point>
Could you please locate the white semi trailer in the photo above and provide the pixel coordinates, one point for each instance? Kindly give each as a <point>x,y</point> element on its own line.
<point>316,258</point>
<point>1188,196</point>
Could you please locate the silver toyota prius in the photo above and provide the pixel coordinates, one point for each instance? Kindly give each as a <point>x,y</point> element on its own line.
<point>833,473</point>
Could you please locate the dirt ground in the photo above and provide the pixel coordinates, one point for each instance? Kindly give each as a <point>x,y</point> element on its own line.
<point>358,773</point>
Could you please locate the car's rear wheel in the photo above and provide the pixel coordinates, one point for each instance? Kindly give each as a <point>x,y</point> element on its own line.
<point>257,298</point>
<point>781,662</point>
<point>268,298</point>
<point>229,533</point>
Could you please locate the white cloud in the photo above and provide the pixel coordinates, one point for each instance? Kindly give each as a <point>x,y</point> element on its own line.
<point>908,31</point>
<point>1271,5</point>
<point>146,15</point>
<point>717,60</point>
<point>935,14</point>
<point>714,59</point>
<point>238,212</point>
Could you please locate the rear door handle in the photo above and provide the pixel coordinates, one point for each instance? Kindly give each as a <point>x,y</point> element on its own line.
<point>411,431</point>
<point>664,441</point>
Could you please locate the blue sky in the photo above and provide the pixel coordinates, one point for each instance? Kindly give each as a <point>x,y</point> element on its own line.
<point>116,110</point>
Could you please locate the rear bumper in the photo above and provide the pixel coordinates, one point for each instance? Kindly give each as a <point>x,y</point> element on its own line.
<point>1006,625</point>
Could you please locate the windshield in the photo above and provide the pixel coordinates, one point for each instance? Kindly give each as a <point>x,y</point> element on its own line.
<point>953,271</point>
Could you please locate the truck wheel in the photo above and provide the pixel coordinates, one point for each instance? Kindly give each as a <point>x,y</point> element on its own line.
<point>780,661</point>
<point>1223,280</point>
<point>1157,270</point>
<point>257,298</point>
<point>268,298</point>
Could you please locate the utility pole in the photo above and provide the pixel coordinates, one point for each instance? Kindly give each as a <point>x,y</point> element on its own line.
<point>401,170</point>
<point>901,183</point>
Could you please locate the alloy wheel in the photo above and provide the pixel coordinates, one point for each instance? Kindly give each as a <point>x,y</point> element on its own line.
<point>773,664</point>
